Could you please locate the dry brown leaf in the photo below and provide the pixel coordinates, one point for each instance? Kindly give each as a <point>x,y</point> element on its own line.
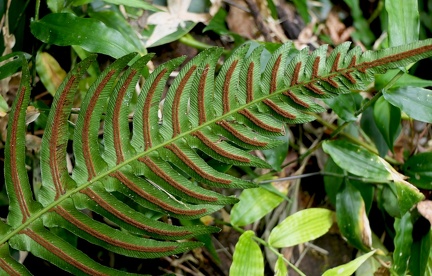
<point>32,113</point>
<point>33,143</point>
<point>337,31</point>
<point>425,209</point>
<point>306,37</point>
<point>241,22</point>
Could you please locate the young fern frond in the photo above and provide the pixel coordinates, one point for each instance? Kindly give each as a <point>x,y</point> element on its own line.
<point>159,165</point>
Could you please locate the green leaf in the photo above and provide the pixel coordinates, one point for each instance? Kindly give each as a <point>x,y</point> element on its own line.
<point>14,62</point>
<point>65,29</point>
<point>134,3</point>
<point>49,71</point>
<point>419,170</point>
<point>420,249</point>
<point>280,267</point>
<point>332,184</point>
<point>407,195</point>
<point>333,179</point>
<point>116,21</point>
<point>55,5</point>
<point>13,267</point>
<point>387,119</point>
<point>403,21</point>
<point>402,241</point>
<point>247,258</point>
<point>371,265</point>
<point>414,101</point>
<point>4,108</point>
<point>276,156</point>
<point>357,160</point>
<point>253,205</point>
<point>345,105</point>
<point>362,30</point>
<point>351,217</point>
<point>301,227</point>
<point>348,268</point>
<point>302,9</point>
<point>405,80</point>
<point>388,200</point>
<point>217,23</point>
<point>369,126</point>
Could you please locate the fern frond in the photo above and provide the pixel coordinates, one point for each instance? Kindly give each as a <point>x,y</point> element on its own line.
<point>134,177</point>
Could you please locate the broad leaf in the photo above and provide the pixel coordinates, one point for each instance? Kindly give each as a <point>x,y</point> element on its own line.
<point>419,170</point>
<point>247,258</point>
<point>134,3</point>
<point>414,101</point>
<point>403,21</point>
<point>116,21</point>
<point>351,217</point>
<point>363,31</point>
<point>357,160</point>
<point>66,29</point>
<point>301,227</point>
<point>345,106</point>
<point>420,248</point>
<point>348,268</point>
<point>254,204</point>
<point>369,126</point>
<point>387,119</point>
<point>49,71</point>
<point>280,267</point>
<point>402,241</point>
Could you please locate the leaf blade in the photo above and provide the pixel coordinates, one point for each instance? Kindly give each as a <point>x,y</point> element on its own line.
<point>301,227</point>
<point>247,258</point>
<point>53,30</point>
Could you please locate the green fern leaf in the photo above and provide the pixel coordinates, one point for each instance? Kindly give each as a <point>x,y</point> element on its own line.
<point>153,166</point>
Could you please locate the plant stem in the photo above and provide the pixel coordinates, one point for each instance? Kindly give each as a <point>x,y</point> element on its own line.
<point>37,10</point>
<point>189,40</point>
<point>266,244</point>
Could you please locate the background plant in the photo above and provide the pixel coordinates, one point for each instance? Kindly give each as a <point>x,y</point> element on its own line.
<point>351,183</point>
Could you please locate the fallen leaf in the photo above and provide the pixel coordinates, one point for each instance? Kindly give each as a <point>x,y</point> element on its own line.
<point>337,30</point>
<point>240,21</point>
<point>215,6</point>
<point>171,18</point>
<point>32,114</point>
<point>425,209</point>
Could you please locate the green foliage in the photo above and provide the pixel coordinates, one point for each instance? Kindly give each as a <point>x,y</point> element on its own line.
<point>348,268</point>
<point>303,226</point>
<point>248,258</point>
<point>149,163</point>
<point>144,165</point>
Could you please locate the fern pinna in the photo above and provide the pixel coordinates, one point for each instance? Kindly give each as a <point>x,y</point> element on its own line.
<point>159,165</point>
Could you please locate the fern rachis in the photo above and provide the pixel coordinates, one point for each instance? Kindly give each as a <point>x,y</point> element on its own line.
<point>223,117</point>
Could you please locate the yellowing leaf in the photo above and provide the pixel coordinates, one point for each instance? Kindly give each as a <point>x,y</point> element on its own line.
<point>50,72</point>
<point>3,106</point>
